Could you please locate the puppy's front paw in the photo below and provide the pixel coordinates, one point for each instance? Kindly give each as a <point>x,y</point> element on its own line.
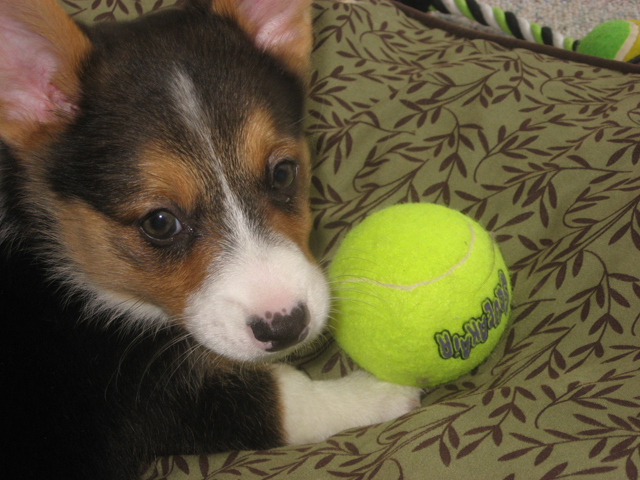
<point>383,401</point>
<point>315,410</point>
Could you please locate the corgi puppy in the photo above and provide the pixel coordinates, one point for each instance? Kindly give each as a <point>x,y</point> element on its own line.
<point>154,218</point>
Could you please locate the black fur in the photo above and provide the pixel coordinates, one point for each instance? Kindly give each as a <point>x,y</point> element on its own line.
<point>86,402</point>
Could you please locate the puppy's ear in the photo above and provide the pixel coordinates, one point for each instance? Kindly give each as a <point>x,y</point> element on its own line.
<point>41,50</point>
<point>280,27</point>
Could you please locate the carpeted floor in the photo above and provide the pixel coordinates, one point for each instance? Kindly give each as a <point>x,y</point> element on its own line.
<point>574,18</point>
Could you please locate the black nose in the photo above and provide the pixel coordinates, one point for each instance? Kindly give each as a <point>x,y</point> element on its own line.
<point>281,330</point>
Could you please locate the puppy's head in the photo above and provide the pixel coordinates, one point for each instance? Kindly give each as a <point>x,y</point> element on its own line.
<point>160,165</point>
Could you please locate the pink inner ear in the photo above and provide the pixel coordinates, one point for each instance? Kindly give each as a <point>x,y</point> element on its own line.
<point>27,66</point>
<point>275,22</point>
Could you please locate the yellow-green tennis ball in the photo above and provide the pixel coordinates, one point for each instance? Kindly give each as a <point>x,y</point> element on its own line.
<point>422,294</point>
<point>615,40</point>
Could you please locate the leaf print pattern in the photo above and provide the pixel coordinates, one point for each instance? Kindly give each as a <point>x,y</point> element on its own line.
<point>89,11</point>
<point>544,153</point>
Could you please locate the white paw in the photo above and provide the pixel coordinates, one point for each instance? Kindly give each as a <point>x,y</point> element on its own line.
<point>383,401</point>
<point>315,410</point>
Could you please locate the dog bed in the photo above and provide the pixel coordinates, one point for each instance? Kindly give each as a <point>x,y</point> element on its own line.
<point>540,146</point>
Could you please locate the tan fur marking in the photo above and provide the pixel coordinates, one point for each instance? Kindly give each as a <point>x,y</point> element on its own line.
<point>261,142</point>
<point>263,145</point>
<point>297,228</point>
<point>96,245</point>
<point>168,177</point>
<point>92,239</point>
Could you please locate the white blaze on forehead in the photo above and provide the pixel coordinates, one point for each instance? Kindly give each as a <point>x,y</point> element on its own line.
<point>189,105</point>
<point>187,102</point>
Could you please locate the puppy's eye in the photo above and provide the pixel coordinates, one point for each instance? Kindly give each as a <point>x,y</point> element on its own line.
<point>284,175</point>
<point>161,226</point>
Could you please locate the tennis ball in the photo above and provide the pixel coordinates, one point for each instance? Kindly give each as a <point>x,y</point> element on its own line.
<point>615,40</point>
<point>422,294</point>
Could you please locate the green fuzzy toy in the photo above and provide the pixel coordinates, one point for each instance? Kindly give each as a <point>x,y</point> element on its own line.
<point>422,294</point>
<point>615,40</point>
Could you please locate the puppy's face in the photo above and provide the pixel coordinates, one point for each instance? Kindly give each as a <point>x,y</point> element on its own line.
<point>167,167</point>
